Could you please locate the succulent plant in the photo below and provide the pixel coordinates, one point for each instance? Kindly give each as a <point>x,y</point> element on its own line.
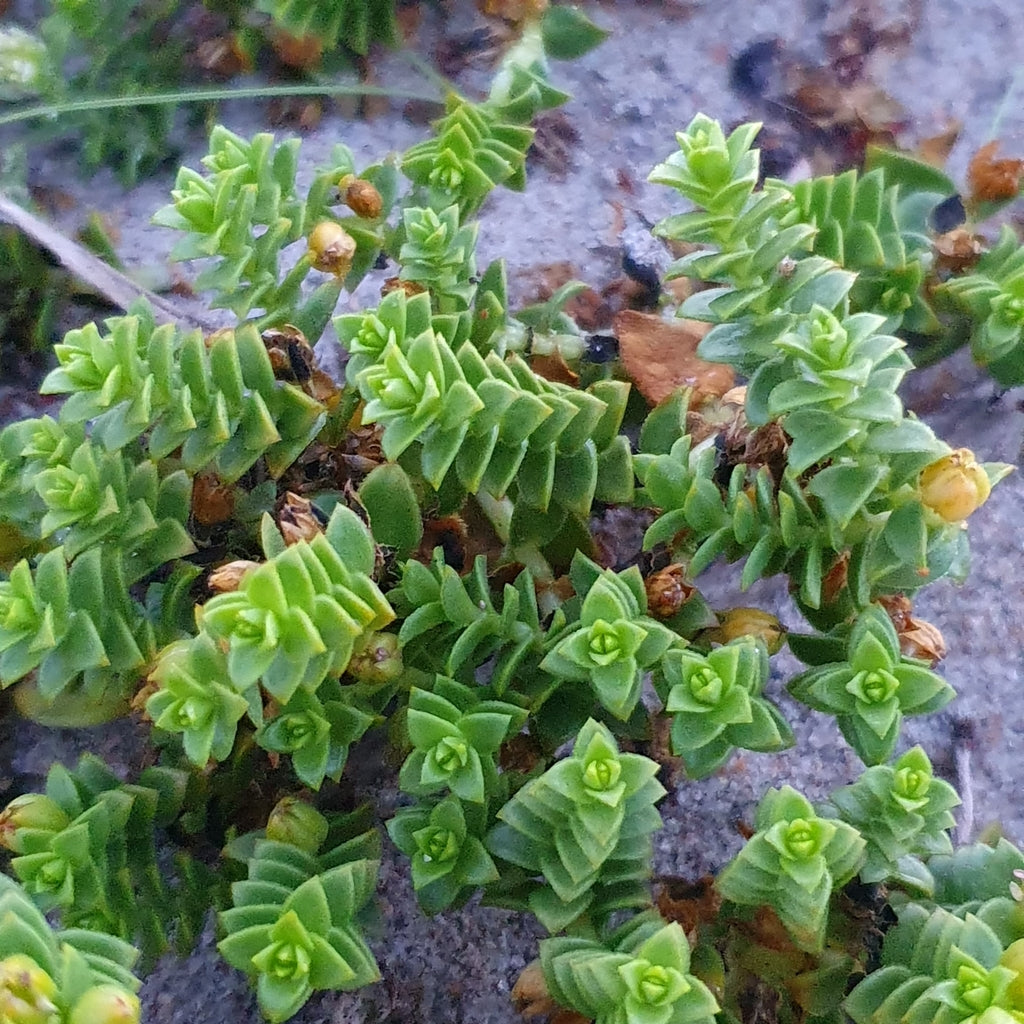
<point>793,863</point>
<point>871,691</point>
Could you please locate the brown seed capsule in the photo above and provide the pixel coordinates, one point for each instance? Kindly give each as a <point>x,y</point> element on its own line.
<point>918,638</point>
<point>298,519</point>
<point>228,577</point>
<point>667,591</point>
<point>954,486</point>
<point>361,197</point>
<point>331,248</point>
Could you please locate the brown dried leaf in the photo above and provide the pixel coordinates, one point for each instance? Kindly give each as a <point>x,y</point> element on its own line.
<point>691,904</point>
<point>530,992</point>
<point>992,180</point>
<point>213,502</point>
<point>304,53</point>
<point>957,250</point>
<point>554,367</point>
<point>661,356</point>
<point>512,10</point>
<point>935,150</point>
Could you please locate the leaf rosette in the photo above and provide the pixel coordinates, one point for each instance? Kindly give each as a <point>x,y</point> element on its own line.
<point>443,844</point>
<point>585,826</point>
<point>793,863</point>
<point>612,644</point>
<point>455,736</point>
<point>192,701</point>
<point>873,689</point>
<point>640,976</point>
<point>716,704</point>
<point>903,813</point>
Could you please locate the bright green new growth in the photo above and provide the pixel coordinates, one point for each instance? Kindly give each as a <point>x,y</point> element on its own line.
<point>443,844</point>
<point>793,864</point>
<point>455,732</point>
<point>292,921</point>
<point>52,971</point>
<point>247,211</point>
<point>215,398</point>
<point>903,813</point>
<point>444,426</point>
<point>613,643</point>
<point>993,295</point>
<point>87,848</point>
<point>871,691</point>
<point>946,968</point>
<point>716,704</point>
<point>291,625</point>
<point>585,826</point>
<point>639,976</point>
<point>482,423</point>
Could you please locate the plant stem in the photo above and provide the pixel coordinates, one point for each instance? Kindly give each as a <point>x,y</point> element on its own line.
<point>53,110</point>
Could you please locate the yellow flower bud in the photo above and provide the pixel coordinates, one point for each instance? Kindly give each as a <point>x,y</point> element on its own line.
<point>106,1004</point>
<point>740,622</point>
<point>954,486</point>
<point>32,811</point>
<point>26,992</point>
<point>331,248</point>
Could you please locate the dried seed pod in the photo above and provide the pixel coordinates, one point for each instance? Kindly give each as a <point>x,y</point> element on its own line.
<point>667,591</point>
<point>361,197</point>
<point>228,577</point>
<point>331,248</point>
<point>918,638</point>
<point>954,486</point>
<point>298,519</point>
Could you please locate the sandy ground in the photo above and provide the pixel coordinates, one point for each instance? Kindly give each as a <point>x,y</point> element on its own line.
<point>663,63</point>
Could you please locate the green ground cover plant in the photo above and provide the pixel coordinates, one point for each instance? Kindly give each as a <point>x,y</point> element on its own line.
<point>213,535</point>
